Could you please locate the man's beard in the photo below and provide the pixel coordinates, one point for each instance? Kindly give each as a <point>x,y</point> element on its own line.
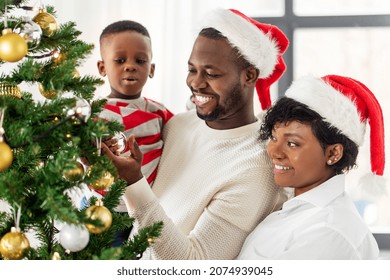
<point>234,101</point>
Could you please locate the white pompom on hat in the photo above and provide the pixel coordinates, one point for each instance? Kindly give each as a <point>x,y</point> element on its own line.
<point>347,104</point>
<point>260,44</point>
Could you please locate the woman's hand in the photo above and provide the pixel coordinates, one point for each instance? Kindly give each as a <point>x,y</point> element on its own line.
<point>129,167</point>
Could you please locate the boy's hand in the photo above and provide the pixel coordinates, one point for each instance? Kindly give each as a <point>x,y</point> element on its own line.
<point>129,168</point>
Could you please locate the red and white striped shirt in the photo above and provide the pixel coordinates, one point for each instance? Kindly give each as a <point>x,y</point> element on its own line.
<point>145,119</point>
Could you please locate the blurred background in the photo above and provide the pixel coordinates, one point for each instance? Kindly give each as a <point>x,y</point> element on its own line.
<point>344,37</point>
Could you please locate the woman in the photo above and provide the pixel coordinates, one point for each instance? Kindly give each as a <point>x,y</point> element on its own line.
<point>314,133</point>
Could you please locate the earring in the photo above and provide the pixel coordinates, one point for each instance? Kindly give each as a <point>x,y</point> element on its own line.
<point>329,162</point>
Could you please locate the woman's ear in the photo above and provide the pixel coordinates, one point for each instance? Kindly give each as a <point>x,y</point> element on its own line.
<point>334,153</point>
<point>101,68</point>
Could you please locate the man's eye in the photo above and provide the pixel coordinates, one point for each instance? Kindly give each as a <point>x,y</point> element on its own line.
<point>212,75</point>
<point>192,71</point>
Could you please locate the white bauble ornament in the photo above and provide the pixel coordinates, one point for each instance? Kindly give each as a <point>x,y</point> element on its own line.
<point>30,31</point>
<point>122,141</point>
<point>74,237</point>
<point>81,111</point>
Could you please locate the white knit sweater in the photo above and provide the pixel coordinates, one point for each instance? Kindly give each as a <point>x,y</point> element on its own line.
<point>212,188</point>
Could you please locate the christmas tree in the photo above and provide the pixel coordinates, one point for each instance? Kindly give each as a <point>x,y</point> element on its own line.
<point>49,150</point>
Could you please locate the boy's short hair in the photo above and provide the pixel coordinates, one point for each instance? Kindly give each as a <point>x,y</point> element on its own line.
<point>124,25</point>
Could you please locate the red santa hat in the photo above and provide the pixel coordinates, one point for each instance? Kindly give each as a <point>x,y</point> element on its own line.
<point>260,44</point>
<point>347,104</point>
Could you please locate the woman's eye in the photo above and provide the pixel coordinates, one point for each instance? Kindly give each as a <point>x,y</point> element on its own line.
<point>292,144</point>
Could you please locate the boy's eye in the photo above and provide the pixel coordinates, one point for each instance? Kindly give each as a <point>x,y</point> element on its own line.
<point>141,61</point>
<point>120,60</point>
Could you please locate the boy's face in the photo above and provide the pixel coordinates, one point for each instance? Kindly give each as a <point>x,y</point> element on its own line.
<point>126,60</point>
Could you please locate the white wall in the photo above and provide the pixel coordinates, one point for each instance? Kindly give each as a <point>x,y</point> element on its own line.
<point>171,24</point>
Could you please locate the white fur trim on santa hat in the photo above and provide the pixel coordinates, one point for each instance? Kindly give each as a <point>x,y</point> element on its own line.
<point>255,46</point>
<point>336,108</point>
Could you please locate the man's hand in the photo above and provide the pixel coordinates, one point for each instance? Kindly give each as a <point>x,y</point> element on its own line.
<point>129,168</point>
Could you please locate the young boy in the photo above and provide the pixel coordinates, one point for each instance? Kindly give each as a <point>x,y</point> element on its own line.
<point>126,53</point>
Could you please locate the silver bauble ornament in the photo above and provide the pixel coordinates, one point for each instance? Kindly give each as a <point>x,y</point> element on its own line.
<point>30,31</point>
<point>81,111</point>
<point>74,237</point>
<point>122,141</point>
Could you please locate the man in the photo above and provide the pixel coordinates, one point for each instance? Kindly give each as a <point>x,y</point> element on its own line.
<point>215,181</point>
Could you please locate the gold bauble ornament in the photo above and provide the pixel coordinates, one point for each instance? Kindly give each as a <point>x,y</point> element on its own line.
<point>46,21</point>
<point>76,73</point>
<point>10,90</point>
<point>49,94</point>
<point>58,57</point>
<point>150,240</point>
<point>76,173</point>
<point>104,182</point>
<point>6,156</point>
<point>13,47</point>
<point>56,256</point>
<point>14,245</point>
<point>101,213</point>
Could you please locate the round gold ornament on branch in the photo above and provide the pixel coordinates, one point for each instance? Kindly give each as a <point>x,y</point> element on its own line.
<point>6,155</point>
<point>14,244</point>
<point>49,94</point>
<point>13,47</point>
<point>76,173</point>
<point>56,256</point>
<point>58,57</point>
<point>104,182</point>
<point>10,90</point>
<point>101,213</point>
<point>47,22</point>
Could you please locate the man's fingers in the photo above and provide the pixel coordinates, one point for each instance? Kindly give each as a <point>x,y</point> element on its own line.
<point>107,151</point>
<point>134,149</point>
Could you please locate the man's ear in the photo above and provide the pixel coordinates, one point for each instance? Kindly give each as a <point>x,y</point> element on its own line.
<point>101,68</point>
<point>152,69</point>
<point>251,75</point>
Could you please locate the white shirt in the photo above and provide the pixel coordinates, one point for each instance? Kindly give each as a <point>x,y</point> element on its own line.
<point>322,223</point>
